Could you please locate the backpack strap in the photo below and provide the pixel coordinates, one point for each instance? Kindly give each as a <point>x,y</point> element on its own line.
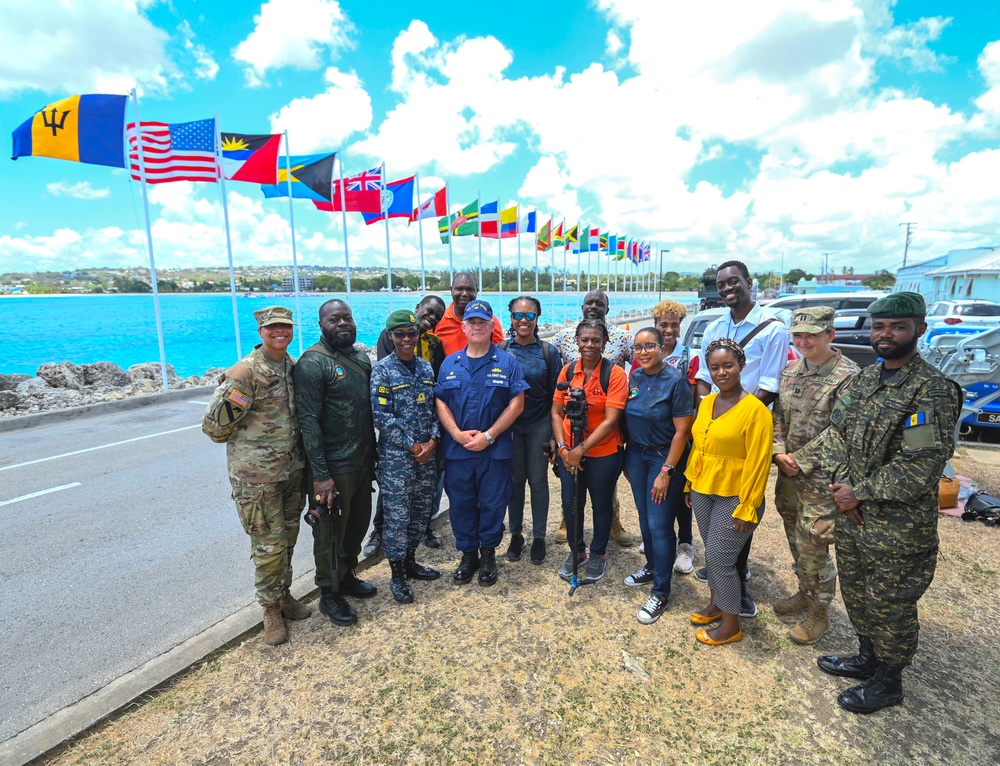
<point>502,345</point>
<point>606,366</point>
<point>547,353</point>
<point>753,333</point>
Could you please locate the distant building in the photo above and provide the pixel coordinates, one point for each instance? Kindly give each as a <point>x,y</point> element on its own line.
<point>832,283</point>
<point>305,283</point>
<point>972,273</point>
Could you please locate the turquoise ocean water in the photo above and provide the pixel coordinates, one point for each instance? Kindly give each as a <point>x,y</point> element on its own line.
<point>198,329</point>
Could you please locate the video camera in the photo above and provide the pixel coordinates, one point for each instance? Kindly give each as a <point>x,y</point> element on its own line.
<point>575,409</point>
<point>314,516</point>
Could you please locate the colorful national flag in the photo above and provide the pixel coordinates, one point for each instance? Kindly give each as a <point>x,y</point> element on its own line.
<point>464,223</point>
<point>621,248</point>
<point>508,224</point>
<point>432,207</point>
<point>594,240</point>
<point>612,243</point>
<point>397,201</point>
<point>86,128</point>
<point>314,167</point>
<point>362,193</point>
<point>603,240</point>
<point>573,235</point>
<point>251,158</point>
<point>182,151</point>
<point>558,236</point>
<point>530,223</point>
<point>489,218</point>
<point>584,239</point>
<point>544,239</point>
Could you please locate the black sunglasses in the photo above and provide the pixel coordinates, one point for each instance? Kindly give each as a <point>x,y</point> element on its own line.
<point>519,315</point>
<point>402,334</point>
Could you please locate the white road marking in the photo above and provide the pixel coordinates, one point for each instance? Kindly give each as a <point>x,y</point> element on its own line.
<point>39,493</point>
<point>103,446</point>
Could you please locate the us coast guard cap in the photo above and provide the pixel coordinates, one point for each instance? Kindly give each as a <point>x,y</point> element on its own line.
<point>273,315</point>
<point>479,310</point>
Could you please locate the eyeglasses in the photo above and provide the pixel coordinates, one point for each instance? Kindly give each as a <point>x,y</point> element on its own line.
<point>590,341</point>
<point>645,347</point>
<point>517,316</point>
<point>404,334</point>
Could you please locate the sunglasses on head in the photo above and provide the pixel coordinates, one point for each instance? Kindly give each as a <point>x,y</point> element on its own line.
<point>519,315</point>
<point>403,334</point>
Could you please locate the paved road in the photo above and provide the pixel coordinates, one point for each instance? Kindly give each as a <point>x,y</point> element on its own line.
<point>120,541</point>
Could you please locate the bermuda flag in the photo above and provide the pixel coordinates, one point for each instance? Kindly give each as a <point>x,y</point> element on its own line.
<point>433,207</point>
<point>250,158</point>
<point>362,193</point>
<point>182,151</point>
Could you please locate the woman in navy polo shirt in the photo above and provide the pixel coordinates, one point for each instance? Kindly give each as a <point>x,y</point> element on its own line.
<point>658,416</point>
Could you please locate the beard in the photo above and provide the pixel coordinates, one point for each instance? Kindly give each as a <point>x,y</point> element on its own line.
<point>898,351</point>
<point>341,342</point>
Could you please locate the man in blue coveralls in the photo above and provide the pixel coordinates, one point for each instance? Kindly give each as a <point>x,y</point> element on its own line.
<point>480,393</point>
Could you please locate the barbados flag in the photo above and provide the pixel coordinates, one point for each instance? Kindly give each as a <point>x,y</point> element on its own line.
<point>88,128</point>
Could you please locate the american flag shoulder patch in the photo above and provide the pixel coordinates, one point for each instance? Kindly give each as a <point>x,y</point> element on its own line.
<point>239,399</point>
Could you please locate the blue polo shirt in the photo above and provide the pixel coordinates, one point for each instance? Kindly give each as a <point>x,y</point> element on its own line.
<point>541,379</point>
<point>653,402</point>
<point>477,391</point>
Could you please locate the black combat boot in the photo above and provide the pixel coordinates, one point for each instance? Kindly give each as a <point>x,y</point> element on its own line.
<point>352,585</point>
<point>863,665</point>
<point>417,571</point>
<point>467,567</point>
<point>883,689</point>
<point>488,572</point>
<point>399,585</point>
<point>335,606</point>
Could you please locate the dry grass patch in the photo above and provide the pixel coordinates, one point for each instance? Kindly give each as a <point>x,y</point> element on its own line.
<point>520,673</point>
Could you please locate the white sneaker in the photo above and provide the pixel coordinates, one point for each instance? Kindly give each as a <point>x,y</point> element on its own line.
<point>684,563</point>
<point>642,547</point>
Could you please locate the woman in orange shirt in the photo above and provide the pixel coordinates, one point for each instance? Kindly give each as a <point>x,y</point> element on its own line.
<point>727,474</point>
<point>598,460</point>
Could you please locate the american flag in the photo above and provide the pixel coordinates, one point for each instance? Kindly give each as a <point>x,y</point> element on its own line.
<point>369,180</point>
<point>184,151</point>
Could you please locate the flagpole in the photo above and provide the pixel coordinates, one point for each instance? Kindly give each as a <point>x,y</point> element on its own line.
<point>589,267</point>
<point>536,252</point>
<point>343,217</point>
<point>229,240</point>
<point>149,241</point>
<point>479,228</point>
<point>385,220</point>
<point>564,255</point>
<point>518,224</point>
<point>291,223</point>
<point>420,230</point>
<point>499,253</point>
<point>447,215</point>
<point>579,258</point>
<point>552,268</point>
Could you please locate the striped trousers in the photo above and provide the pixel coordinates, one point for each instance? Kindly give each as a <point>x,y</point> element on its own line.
<point>722,546</point>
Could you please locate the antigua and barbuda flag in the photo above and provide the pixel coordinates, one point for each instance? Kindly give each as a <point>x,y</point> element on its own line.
<point>251,158</point>
<point>88,128</point>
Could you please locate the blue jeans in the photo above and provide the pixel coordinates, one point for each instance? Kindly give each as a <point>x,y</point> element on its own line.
<point>599,476</point>
<point>530,466</point>
<point>656,520</point>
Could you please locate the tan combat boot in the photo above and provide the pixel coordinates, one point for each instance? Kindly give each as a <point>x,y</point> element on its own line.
<point>293,609</point>
<point>812,628</point>
<point>561,533</point>
<point>618,533</point>
<point>796,603</point>
<point>275,631</point>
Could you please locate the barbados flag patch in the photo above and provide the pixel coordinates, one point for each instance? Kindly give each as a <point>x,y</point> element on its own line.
<point>916,419</point>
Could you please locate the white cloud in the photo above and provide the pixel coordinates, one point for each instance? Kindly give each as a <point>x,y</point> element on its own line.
<point>79,190</point>
<point>97,46</point>
<point>910,43</point>
<point>293,33</point>
<point>205,65</point>
<point>326,120</point>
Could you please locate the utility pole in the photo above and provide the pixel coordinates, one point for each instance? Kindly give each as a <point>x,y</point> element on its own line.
<point>910,225</point>
<point>825,264</point>
<point>659,278</point>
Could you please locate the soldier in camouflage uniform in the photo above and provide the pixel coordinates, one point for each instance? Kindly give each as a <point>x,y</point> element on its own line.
<point>891,432</point>
<point>253,413</point>
<point>402,391</point>
<point>807,390</point>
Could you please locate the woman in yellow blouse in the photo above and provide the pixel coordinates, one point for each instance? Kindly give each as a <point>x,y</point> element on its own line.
<point>726,476</point>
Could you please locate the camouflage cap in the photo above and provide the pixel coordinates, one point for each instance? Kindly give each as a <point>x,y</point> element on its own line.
<point>400,318</point>
<point>813,320</point>
<point>899,306</point>
<point>273,315</point>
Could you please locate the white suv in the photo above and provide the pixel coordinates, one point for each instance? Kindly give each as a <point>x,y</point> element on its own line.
<point>964,313</point>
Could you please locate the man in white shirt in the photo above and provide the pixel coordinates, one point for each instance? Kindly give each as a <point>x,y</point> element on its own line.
<point>764,338</point>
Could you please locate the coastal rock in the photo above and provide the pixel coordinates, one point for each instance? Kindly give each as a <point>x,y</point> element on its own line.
<point>8,399</point>
<point>150,371</point>
<point>32,386</point>
<point>104,375</point>
<point>10,382</point>
<point>213,376</point>
<point>62,375</point>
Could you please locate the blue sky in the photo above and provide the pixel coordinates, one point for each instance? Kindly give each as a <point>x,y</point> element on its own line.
<point>721,130</point>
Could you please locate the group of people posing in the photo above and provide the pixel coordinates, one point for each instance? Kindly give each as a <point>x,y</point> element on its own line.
<point>463,405</point>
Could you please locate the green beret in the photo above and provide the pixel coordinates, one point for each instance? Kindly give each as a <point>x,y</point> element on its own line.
<point>400,318</point>
<point>899,306</point>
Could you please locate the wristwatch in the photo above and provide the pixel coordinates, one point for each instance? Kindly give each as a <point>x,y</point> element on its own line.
<point>489,439</point>
<point>669,470</point>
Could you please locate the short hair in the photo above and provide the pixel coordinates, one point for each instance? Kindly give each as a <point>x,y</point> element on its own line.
<point>742,267</point>
<point>730,345</point>
<point>654,330</point>
<point>328,306</point>
<point>669,307</point>
<point>468,274</point>
<point>594,324</point>
<point>429,298</point>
